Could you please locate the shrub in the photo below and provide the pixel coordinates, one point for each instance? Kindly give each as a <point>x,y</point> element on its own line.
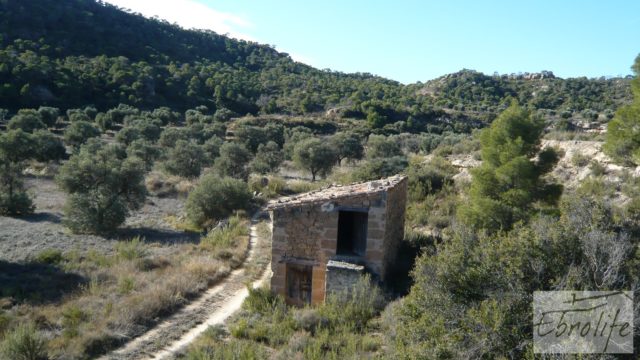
<point>380,146</point>
<point>48,115</point>
<point>72,317</point>
<point>268,186</point>
<point>211,149</point>
<point>24,343</point>
<point>224,239</point>
<point>132,249</point>
<point>49,256</point>
<point>427,178</point>
<point>579,160</point>
<point>215,198</point>
<point>354,306</point>
<point>263,301</point>
<point>16,204</point>
<point>380,168</point>
<point>596,168</point>
<point>93,213</point>
<point>233,349</point>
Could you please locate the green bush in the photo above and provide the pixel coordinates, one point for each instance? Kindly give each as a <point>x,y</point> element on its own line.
<point>72,317</point>
<point>380,146</point>
<point>263,301</point>
<point>232,349</point>
<point>216,198</point>
<point>596,168</point>
<point>427,178</point>
<point>355,306</point>
<point>49,256</point>
<point>24,343</point>
<point>225,237</point>
<point>380,168</point>
<point>145,151</point>
<point>16,204</point>
<point>268,186</point>
<point>579,160</point>
<point>132,249</point>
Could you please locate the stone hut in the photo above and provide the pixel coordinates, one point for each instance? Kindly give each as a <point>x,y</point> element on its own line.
<point>324,240</point>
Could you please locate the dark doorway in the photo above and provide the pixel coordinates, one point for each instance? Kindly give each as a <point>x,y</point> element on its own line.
<point>299,284</point>
<point>352,233</point>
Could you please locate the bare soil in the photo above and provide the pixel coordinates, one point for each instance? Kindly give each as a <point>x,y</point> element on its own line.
<point>23,238</point>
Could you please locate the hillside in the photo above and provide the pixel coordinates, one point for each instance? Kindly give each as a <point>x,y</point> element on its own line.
<point>136,156</point>
<point>74,53</point>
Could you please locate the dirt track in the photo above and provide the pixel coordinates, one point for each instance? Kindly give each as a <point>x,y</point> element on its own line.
<point>212,307</point>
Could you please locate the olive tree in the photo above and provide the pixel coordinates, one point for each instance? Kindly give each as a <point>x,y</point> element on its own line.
<point>215,198</point>
<point>185,159</point>
<point>103,185</point>
<point>77,133</point>
<point>233,160</point>
<point>315,156</point>
<point>16,146</point>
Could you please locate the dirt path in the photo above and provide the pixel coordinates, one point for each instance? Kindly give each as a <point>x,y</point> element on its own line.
<point>212,307</point>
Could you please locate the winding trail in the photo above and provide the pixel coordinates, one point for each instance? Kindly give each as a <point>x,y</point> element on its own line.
<point>213,307</point>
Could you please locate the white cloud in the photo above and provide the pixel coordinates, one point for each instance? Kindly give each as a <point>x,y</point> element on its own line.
<point>189,14</point>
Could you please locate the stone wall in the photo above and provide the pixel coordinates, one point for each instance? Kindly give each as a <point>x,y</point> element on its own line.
<point>394,234</point>
<point>341,276</point>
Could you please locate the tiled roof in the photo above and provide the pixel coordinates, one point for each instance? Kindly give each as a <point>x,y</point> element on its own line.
<point>335,192</point>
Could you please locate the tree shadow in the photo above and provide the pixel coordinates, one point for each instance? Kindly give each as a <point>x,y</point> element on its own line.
<point>36,283</point>
<point>43,217</point>
<point>160,236</point>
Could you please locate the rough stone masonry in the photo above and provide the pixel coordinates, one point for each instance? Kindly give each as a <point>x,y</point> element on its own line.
<point>323,240</point>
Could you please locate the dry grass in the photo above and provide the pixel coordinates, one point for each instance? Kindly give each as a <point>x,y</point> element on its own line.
<point>161,184</point>
<point>129,291</point>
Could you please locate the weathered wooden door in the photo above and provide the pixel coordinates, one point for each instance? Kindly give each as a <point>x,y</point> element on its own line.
<point>299,284</point>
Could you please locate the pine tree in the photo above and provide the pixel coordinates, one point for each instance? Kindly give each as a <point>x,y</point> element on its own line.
<point>508,185</point>
<point>623,132</point>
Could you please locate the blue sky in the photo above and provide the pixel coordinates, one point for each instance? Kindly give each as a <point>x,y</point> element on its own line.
<point>411,40</point>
